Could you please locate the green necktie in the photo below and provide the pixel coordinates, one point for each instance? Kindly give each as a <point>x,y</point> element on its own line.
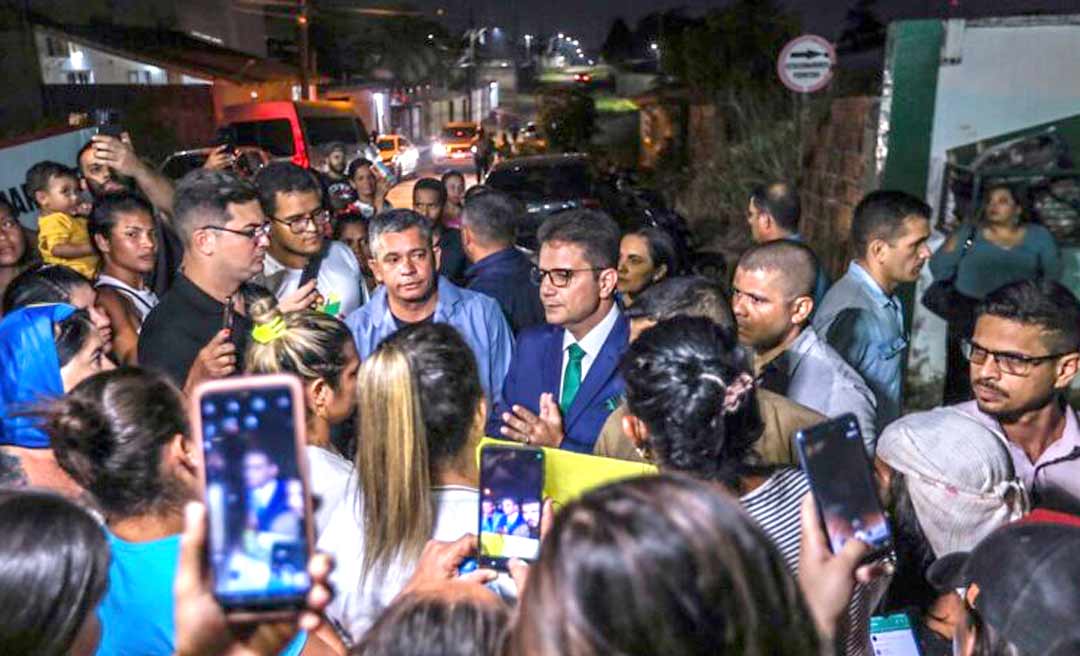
<point>571,381</point>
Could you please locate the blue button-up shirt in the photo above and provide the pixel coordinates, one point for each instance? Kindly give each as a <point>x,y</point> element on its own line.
<point>866,326</point>
<point>476,316</point>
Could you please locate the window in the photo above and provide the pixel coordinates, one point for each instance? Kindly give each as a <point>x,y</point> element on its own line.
<point>133,77</point>
<point>323,130</point>
<point>386,144</point>
<point>274,136</point>
<point>544,183</point>
<point>78,77</point>
<point>459,133</point>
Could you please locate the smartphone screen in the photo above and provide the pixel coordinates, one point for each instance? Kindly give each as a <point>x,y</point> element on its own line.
<point>893,635</point>
<point>511,503</point>
<point>835,461</point>
<point>259,519</point>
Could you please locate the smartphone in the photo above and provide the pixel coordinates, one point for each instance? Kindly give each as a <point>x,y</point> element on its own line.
<point>835,461</point>
<point>255,486</point>
<point>228,314</point>
<point>893,635</point>
<point>511,504</point>
<point>111,129</point>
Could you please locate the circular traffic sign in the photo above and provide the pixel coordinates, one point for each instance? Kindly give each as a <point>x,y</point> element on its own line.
<point>806,63</point>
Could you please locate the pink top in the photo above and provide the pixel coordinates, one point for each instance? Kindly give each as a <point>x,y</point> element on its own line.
<point>1054,480</point>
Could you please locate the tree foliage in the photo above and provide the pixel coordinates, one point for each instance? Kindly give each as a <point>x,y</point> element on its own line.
<point>391,47</point>
<point>568,118</point>
<point>863,30</point>
<point>733,48</point>
<point>619,44</point>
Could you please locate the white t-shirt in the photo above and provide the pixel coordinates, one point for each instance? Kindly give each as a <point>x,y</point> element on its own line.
<point>328,475</point>
<point>339,278</point>
<point>354,608</point>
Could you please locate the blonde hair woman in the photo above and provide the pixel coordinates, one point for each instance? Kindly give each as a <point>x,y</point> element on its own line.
<point>318,349</point>
<point>421,415</point>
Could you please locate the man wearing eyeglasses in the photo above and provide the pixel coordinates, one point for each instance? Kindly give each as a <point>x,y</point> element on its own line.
<point>1024,353</point>
<point>563,380</point>
<point>199,329</point>
<point>300,256</point>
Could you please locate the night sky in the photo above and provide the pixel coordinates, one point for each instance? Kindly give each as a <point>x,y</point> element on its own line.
<point>590,19</point>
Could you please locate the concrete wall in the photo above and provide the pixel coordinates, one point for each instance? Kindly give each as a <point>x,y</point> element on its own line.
<point>837,171</point>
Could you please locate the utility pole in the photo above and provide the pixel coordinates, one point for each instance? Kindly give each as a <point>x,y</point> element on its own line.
<point>305,54</point>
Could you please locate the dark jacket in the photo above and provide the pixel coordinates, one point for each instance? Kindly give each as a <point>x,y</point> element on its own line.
<point>506,277</point>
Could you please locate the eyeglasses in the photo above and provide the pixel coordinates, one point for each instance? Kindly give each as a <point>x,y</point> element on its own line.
<point>298,224</point>
<point>251,233</point>
<point>1014,364</point>
<point>558,277</point>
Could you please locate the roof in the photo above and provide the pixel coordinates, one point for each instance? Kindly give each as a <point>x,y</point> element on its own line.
<point>172,50</point>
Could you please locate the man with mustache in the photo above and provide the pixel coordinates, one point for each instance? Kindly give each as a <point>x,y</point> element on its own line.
<point>1024,353</point>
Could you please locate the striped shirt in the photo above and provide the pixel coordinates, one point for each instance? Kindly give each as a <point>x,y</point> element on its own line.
<point>776,506</point>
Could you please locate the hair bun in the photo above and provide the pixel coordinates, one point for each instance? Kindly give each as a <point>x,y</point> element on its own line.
<point>262,306</point>
<point>79,434</point>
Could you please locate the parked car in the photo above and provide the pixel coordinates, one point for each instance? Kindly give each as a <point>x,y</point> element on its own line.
<point>549,184</point>
<point>249,160</point>
<point>530,141</point>
<point>455,145</point>
<point>398,153</point>
<point>297,131</point>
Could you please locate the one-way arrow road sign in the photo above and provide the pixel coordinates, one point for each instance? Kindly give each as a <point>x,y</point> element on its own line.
<point>806,63</point>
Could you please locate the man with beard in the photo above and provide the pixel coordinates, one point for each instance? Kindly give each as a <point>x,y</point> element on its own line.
<point>200,328</point>
<point>108,166</point>
<point>1024,353</point>
<point>773,300</point>
<point>334,169</point>
<point>406,262</point>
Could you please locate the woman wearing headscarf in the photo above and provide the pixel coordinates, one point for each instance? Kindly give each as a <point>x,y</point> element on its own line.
<point>949,482</point>
<point>45,350</point>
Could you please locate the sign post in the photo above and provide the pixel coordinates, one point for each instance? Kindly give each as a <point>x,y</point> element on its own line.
<point>805,65</point>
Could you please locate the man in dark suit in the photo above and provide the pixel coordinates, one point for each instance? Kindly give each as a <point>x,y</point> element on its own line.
<point>563,380</point>
<point>267,494</point>
<point>498,268</point>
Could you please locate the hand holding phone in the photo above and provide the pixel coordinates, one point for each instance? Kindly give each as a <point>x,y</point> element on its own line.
<point>511,504</point>
<point>835,461</point>
<point>251,432</point>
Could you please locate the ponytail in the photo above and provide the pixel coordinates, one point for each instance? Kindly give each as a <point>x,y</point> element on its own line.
<point>393,462</point>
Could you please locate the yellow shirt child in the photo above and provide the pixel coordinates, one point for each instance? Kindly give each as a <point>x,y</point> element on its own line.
<point>59,227</point>
<point>63,237</point>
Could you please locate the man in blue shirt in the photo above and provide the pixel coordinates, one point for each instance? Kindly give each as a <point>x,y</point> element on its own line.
<point>563,381</point>
<point>405,261</point>
<point>498,269</point>
<point>773,213</point>
<point>862,317</point>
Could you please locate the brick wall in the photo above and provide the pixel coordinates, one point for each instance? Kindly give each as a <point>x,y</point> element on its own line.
<point>838,169</point>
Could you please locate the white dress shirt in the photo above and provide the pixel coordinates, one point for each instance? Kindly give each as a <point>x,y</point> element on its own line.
<point>591,343</point>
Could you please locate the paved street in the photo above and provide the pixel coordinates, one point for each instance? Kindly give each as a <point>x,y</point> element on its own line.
<point>401,194</point>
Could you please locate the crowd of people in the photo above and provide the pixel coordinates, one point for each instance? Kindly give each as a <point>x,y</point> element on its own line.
<point>416,333</point>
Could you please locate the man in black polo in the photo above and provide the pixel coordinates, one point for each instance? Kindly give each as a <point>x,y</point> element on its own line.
<point>199,330</point>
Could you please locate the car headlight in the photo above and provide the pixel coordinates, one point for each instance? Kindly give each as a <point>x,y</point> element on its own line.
<point>473,149</point>
<point>438,149</point>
